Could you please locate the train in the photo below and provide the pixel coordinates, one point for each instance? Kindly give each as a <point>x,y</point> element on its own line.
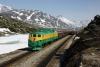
<point>72,32</point>
<point>39,38</point>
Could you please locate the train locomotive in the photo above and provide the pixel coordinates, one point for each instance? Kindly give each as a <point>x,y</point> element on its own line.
<point>38,39</point>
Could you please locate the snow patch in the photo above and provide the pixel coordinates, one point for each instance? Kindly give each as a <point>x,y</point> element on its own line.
<point>30,16</point>
<point>18,13</point>
<point>13,17</point>
<point>43,20</point>
<point>4,30</point>
<point>37,19</point>
<point>76,38</point>
<point>19,18</point>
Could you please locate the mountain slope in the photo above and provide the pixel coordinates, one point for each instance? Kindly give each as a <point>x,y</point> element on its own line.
<point>15,25</point>
<point>4,8</point>
<point>83,23</point>
<point>38,18</point>
<point>41,19</point>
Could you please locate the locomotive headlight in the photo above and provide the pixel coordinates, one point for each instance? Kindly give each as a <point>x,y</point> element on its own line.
<point>34,39</point>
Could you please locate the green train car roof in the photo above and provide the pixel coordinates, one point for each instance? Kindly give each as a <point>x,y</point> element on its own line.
<point>43,32</point>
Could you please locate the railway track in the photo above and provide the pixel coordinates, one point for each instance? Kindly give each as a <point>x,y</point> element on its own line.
<point>58,57</point>
<point>17,56</point>
<point>34,58</point>
<point>54,59</point>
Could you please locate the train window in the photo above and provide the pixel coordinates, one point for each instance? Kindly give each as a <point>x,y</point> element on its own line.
<point>39,35</point>
<point>31,35</point>
<point>34,35</point>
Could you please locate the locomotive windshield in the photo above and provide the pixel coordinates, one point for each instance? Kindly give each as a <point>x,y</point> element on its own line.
<point>39,35</point>
<point>34,35</point>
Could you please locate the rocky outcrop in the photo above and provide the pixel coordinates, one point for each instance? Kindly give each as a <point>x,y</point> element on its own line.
<point>86,51</point>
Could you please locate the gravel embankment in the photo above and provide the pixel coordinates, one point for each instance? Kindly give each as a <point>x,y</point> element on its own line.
<point>11,55</point>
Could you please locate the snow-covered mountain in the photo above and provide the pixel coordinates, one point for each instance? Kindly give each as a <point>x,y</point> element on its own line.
<point>70,23</point>
<point>73,23</point>
<point>41,19</point>
<point>4,8</point>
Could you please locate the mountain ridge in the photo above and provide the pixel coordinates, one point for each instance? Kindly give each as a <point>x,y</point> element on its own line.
<point>41,19</point>
<point>4,8</point>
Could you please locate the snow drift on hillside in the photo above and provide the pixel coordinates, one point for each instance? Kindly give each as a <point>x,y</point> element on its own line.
<point>4,29</point>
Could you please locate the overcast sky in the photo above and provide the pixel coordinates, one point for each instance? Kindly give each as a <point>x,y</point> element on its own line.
<point>74,10</point>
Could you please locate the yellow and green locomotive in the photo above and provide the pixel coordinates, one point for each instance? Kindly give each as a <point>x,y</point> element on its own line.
<point>38,39</point>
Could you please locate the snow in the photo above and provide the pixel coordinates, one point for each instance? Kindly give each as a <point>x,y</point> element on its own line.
<point>18,13</point>
<point>37,19</point>
<point>79,24</point>
<point>13,42</point>
<point>47,15</point>
<point>13,17</point>
<point>4,29</point>
<point>30,16</point>
<point>43,20</point>
<point>19,18</point>
<point>76,38</point>
<point>63,19</point>
<point>4,8</point>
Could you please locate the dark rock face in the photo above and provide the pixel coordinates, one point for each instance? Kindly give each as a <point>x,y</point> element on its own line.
<point>86,51</point>
<point>97,19</point>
